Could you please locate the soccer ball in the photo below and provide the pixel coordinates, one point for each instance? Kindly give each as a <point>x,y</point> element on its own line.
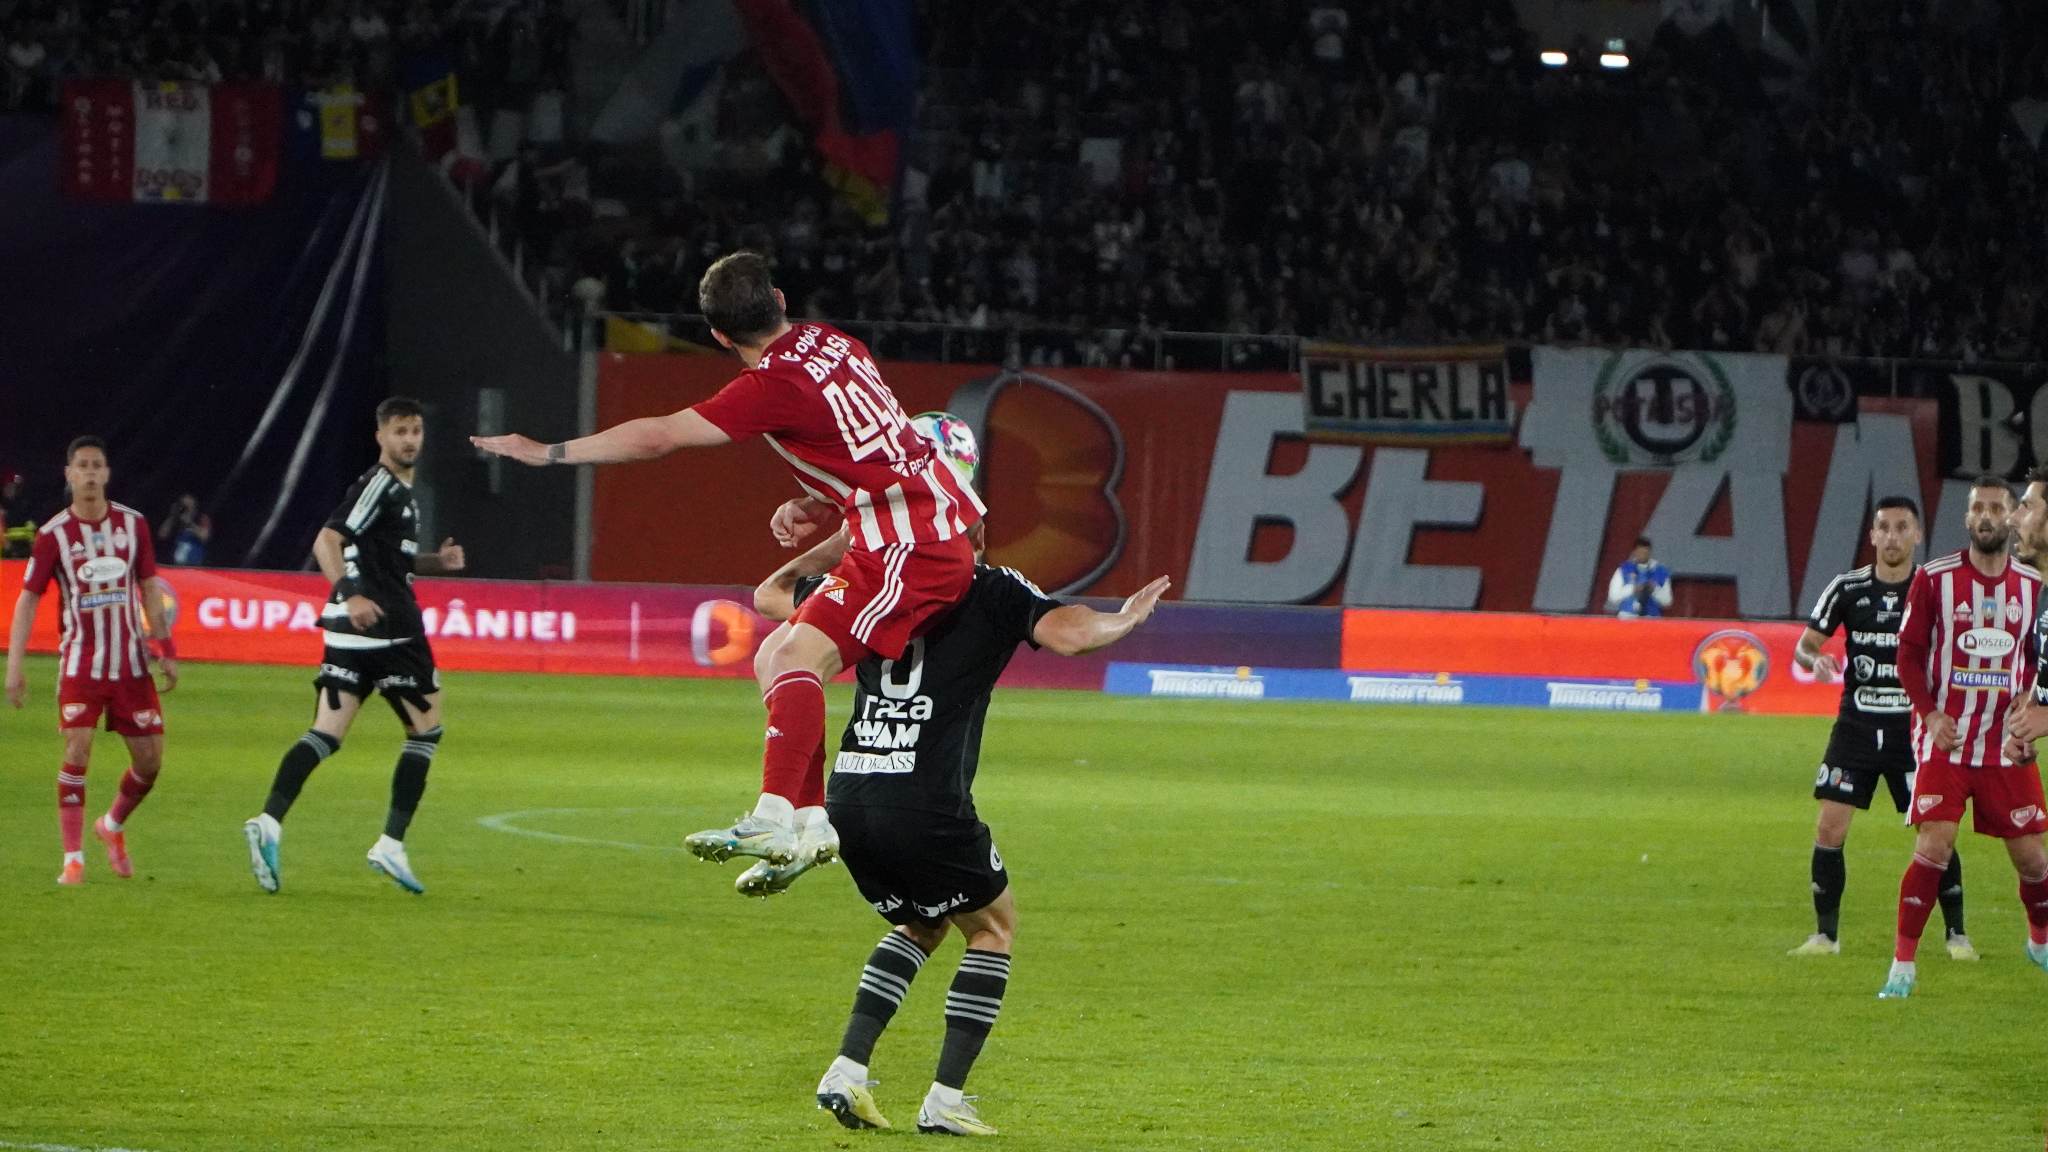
<point>954,440</point>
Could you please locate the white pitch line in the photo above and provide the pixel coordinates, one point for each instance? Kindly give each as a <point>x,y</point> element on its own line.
<point>60,1147</point>
<point>503,822</point>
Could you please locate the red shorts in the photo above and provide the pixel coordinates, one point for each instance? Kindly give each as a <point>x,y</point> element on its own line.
<point>876,601</point>
<point>2005,801</point>
<point>130,705</point>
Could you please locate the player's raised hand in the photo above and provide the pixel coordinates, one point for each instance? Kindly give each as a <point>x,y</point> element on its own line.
<point>513,446</point>
<point>797,520</point>
<point>17,689</point>
<point>1139,607</point>
<point>452,558</point>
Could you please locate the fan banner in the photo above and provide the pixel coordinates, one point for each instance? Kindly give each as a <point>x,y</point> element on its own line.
<point>165,142</point>
<point>1636,409</point>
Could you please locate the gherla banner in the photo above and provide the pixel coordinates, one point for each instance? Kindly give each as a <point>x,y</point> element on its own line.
<point>1408,395</point>
<point>1633,409</point>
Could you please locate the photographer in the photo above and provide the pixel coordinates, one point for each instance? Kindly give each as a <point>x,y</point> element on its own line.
<point>1641,586</point>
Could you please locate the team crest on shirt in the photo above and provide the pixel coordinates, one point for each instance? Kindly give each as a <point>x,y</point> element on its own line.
<point>73,712</point>
<point>2012,611</point>
<point>1928,803</point>
<point>2021,817</point>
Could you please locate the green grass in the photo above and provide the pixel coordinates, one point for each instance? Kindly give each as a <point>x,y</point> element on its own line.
<point>1256,926</point>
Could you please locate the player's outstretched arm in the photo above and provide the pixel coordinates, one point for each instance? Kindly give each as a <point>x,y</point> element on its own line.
<point>17,646</point>
<point>775,597</point>
<point>647,438</point>
<point>1076,628</point>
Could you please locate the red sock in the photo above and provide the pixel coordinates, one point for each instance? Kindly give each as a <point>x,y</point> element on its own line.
<point>796,731</point>
<point>1919,889</point>
<point>2034,898</point>
<point>133,789</point>
<point>71,806</point>
<point>812,794</point>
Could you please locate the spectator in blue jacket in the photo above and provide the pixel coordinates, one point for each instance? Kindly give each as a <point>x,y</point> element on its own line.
<point>1641,586</point>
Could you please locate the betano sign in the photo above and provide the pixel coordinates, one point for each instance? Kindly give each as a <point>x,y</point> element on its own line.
<point>1098,480</point>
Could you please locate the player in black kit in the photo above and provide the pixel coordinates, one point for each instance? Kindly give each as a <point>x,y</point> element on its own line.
<point>376,645</point>
<point>1870,742</point>
<point>901,796</point>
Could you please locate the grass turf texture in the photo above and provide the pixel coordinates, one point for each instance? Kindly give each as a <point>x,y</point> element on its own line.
<point>1242,925</point>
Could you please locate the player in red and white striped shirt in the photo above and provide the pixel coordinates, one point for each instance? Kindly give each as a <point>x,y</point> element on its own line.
<point>1963,654</point>
<point>815,395</point>
<point>102,559</point>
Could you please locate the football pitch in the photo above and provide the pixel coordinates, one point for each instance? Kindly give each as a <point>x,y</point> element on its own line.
<point>1242,925</point>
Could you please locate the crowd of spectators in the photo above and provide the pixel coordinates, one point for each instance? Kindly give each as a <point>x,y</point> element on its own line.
<point>503,49</point>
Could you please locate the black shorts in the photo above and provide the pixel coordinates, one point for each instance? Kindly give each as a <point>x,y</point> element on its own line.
<point>402,672</point>
<point>1857,758</point>
<point>918,867</point>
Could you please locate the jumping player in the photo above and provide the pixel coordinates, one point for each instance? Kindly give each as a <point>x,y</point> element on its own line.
<point>1870,740</point>
<point>1969,620</point>
<point>901,796</point>
<point>102,557</point>
<point>815,395</point>
<point>376,645</point>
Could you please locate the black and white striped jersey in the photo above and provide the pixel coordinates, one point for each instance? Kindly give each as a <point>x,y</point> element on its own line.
<point>379,526</point>
<point>1870,610</point>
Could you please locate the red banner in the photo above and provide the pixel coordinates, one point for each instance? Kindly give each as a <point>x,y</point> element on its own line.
<point>1099,480</point>
<point>1745,666</point>
<point>169,142</point>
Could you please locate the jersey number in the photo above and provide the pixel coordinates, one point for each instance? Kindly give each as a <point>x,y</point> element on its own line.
<point>867,412</point>
<point>912,667</point>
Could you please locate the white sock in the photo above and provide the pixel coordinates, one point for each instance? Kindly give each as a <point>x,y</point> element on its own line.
<point>812,816</point>
<point>387,844</point>
<point>950,1097</point>
<point>775,809</point>
<point>74,857</point>
<point>270,825</point>
<point>858,1073</point>
<point>112,824</point>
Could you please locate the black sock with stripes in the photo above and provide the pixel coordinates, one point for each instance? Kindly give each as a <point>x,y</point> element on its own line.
<point>971,1007</point>
<point>409,780</point>
<point>298,763</point>
<point>1952,895</point>
<point>884,982</point>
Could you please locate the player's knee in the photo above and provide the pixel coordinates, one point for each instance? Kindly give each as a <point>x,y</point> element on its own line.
<point>146,762</point>
<point>78,749</point>
<point>927,937</point>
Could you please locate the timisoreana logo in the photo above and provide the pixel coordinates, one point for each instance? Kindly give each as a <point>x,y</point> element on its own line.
<point>1241,684</point>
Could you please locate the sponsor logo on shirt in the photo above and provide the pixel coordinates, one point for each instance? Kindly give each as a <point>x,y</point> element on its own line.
<point>102,599</point>
<point>1986,642</point>
<point>1875,639</point>
<point>1241,684</point>
<point>1882,700</point>
<point>1971,678</point>
<point>337,672</point>
<point>875,764</point>
<point>101,569</point>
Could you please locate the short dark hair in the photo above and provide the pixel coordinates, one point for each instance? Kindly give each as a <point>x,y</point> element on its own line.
<point>71,449</point>
<point>1642,542</point>
<point>737,297</point>
<point>1891,502</point>
<point>1987,480</point>
<point>2038,474</point>
<point>397,406</point>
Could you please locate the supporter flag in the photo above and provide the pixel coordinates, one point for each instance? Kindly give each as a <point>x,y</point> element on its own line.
<point>170,143</point>
<point>849,70</point>
<point>432,99</point>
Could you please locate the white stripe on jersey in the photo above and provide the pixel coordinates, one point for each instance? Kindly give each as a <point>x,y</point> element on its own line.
<point>870,527</point>
<point>1824,608</point>
<point>830,481</point>
<point>942,508</point>
<point>899,515</point>
<point>366,505</point>
<point>138,624</point>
